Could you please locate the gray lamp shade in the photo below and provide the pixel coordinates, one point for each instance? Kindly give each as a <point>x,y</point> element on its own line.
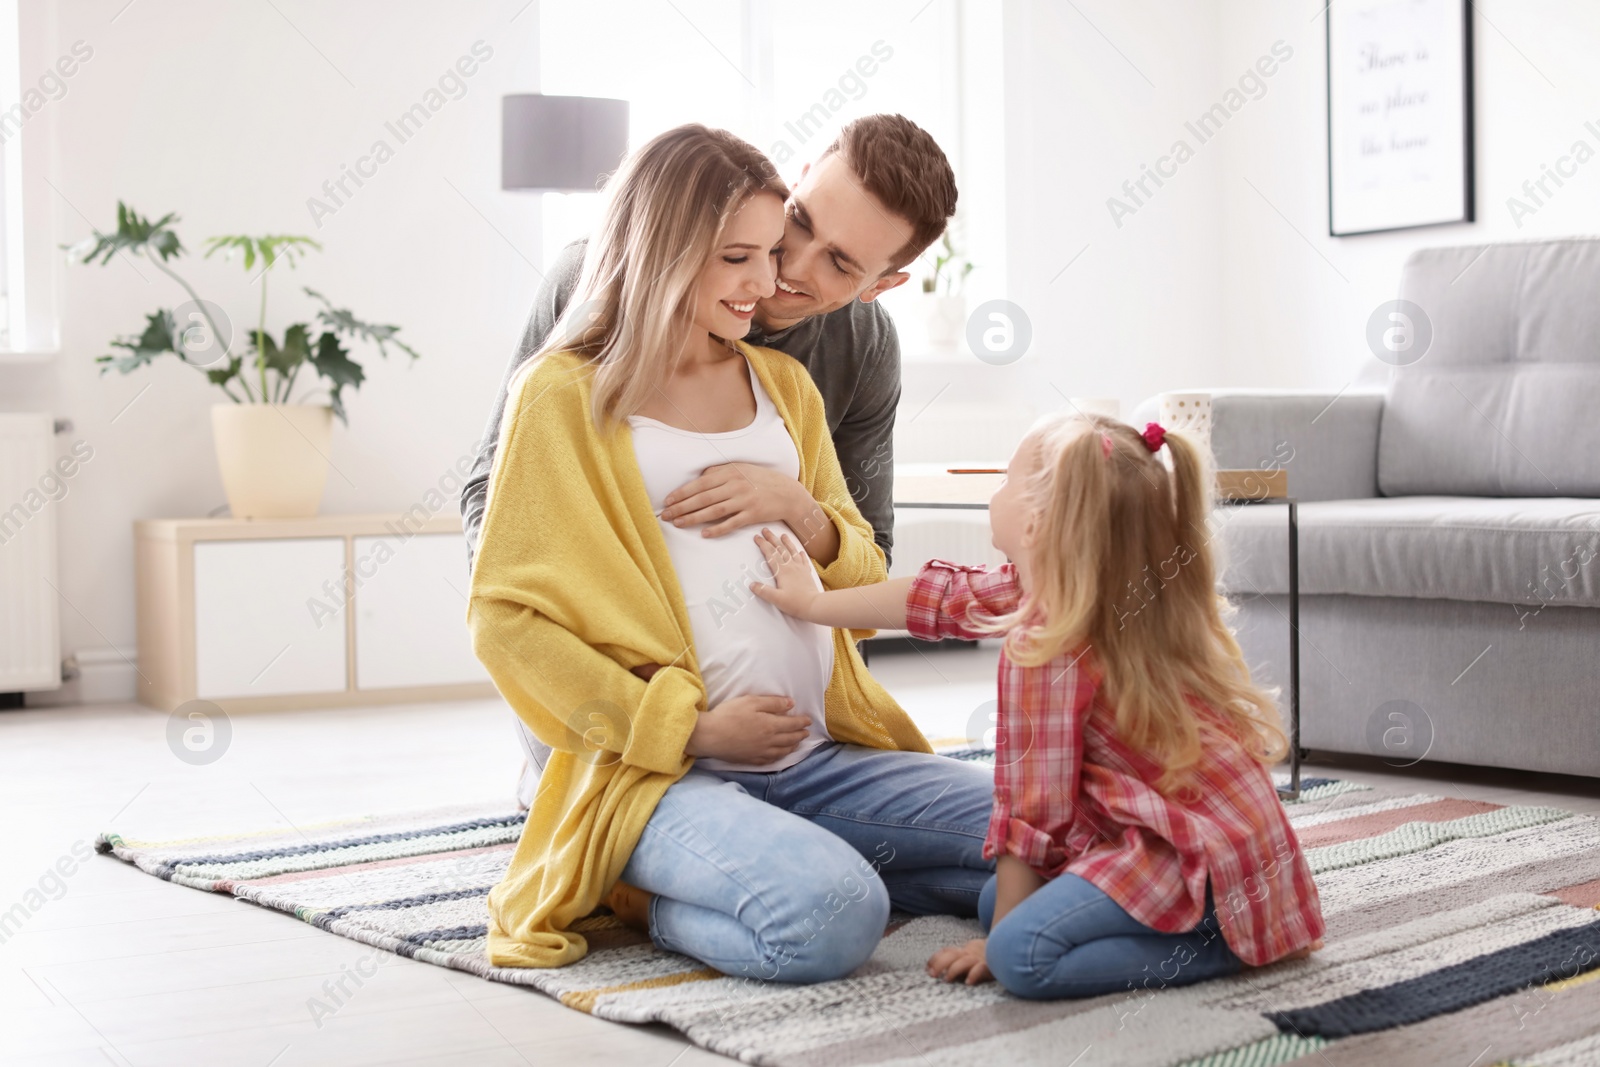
<point>560,143</point>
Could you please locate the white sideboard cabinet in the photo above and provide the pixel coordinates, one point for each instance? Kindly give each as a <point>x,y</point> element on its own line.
<point>255,615</point>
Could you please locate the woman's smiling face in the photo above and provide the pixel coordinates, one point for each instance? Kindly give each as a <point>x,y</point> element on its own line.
<point>741,269</point>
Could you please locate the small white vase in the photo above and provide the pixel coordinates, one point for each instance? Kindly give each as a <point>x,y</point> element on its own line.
<point>1189,414</point>
<point>946,320</point>
<point>273,457</point>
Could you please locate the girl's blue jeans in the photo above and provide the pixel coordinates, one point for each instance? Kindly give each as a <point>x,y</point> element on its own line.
<point>1068,939</point>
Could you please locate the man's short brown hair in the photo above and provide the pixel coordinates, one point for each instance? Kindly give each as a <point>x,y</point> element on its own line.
<point>904,167</point>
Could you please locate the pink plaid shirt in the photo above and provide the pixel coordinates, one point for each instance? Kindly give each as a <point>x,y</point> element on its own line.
<point>1071,797</point>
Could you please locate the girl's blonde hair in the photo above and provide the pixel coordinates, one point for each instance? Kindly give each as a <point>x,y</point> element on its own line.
<point>1121,562</point>
<point>666,208</point>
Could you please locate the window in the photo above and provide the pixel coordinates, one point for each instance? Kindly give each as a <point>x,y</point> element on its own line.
<point>34,75</point>
<point>12,332</point>
<point>784,76</point>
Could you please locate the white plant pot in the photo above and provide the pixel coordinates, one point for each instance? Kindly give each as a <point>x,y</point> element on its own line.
<point>273,457</point>
<point>946,319</point>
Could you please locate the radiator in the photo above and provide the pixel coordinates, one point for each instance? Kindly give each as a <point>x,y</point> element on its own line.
<point>954,432</point>
<point>30,634</point>
<point>921,534</point>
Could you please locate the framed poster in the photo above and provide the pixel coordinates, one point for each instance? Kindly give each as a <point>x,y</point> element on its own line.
<point>1399,114</point>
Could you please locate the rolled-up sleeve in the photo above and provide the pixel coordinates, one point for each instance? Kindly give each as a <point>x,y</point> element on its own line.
<point>1011,836</point>
<point>953,600</point>
<point>576,698</point>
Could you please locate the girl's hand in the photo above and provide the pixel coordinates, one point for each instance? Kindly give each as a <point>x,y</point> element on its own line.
<point>748,729</point>
<point>961,961</point>
<point>794,589</point>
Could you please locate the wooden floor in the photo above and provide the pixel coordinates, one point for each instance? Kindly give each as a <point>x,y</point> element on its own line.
<point>116,967</point>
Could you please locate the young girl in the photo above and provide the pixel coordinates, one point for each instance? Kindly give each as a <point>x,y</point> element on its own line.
<point>1134,816</point>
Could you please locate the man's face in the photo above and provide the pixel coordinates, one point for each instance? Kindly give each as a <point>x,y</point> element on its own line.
<point>837,242</point>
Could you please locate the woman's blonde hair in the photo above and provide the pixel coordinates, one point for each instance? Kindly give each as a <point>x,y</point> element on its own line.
<point>666,208</point>
<point>1120,561</point>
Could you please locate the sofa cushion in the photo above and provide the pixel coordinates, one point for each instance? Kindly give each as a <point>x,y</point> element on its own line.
<point>1528,552</point>
<point>1503,401</point>
<point>1528,430</point>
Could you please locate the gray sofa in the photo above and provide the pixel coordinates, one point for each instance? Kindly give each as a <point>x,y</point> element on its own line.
<point>1449,527</point>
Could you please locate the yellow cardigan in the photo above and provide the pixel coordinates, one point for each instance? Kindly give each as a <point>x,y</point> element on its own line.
<point>572,587</point>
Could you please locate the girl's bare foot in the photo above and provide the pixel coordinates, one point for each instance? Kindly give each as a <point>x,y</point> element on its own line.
<point>1298,954</point>
<point>631,905</point>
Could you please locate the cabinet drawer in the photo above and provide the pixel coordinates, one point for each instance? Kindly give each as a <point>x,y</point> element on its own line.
<point>269,617</point>
<point>411,615</point>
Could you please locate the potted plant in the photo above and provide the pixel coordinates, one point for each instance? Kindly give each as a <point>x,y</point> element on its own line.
<point>944,296</point>
<point>272,448</point>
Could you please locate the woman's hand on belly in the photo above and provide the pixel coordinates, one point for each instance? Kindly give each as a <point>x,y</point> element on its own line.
<point>748,729</point>
<point>730,496</point>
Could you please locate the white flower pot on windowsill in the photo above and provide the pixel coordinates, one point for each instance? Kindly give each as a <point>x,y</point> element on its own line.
<point>946,321</point>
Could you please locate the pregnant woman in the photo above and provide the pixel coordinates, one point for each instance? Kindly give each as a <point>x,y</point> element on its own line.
<point>721,772</point>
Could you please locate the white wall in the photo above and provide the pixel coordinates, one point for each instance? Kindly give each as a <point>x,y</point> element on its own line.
<point>233,116</point>
<point>1138,310</point>
<point>1214,282</point>
<point>1289,318</point>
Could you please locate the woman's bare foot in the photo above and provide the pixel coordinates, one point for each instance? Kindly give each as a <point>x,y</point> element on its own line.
<point>631,905</point>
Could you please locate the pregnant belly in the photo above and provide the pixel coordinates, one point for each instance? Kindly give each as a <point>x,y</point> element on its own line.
<point>744,645</point>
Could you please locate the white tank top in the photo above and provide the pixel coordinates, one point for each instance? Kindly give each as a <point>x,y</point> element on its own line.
<point>745,645</point>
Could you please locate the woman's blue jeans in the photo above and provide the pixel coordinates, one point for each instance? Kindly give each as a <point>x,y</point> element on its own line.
<point>1068,939</point>
<point>788,876</point>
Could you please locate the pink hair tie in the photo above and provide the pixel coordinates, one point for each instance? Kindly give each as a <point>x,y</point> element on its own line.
<point>1105,444</point>
<point>1154,436</point>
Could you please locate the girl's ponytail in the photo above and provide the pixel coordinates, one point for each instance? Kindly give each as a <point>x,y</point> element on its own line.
<point>1123,568</point>
<point>1191,489</point>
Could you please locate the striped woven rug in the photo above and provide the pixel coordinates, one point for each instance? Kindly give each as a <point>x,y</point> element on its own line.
<point>1459,932</point>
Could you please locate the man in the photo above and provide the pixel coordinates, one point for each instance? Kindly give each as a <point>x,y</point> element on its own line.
<point>880,194</point>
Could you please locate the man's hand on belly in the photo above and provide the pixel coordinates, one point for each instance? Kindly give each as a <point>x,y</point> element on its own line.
<point>731,496</point>
<point>748,729</point>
